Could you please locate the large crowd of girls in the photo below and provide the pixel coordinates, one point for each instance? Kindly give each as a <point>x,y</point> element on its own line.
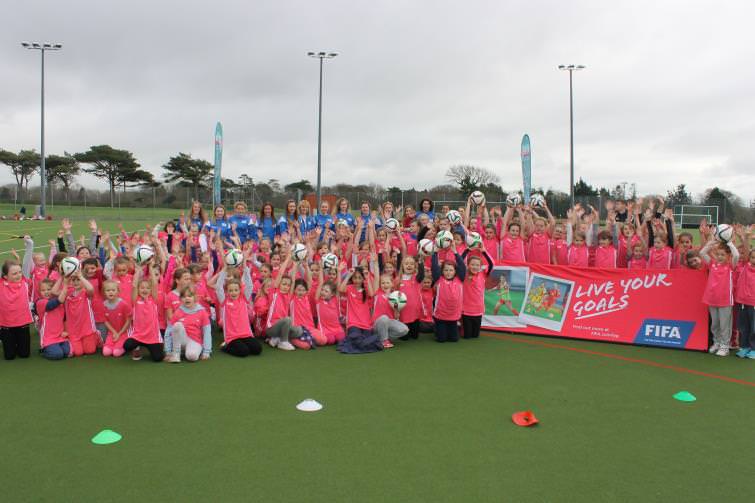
<point>342,290</point>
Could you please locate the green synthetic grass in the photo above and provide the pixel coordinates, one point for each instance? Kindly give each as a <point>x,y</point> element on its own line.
<point>42,231</point>
<point>421,422</point>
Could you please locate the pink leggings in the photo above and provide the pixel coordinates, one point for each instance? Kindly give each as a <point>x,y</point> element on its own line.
<point>320,339</point>
<point>114,348</point>
<point>86,345</point>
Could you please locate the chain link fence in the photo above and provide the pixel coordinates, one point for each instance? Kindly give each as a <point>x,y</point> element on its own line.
<point>180,198</point>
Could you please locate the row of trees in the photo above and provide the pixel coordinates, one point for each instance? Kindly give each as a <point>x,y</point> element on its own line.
<point>122,171</point>
<point>119,167</point>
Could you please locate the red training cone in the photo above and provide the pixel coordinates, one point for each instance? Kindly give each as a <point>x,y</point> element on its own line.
<point>524,418</point>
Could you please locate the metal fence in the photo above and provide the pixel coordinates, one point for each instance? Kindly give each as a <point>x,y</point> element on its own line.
<point>180,198</point>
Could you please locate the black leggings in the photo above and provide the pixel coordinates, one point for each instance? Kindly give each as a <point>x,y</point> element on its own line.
<point>16,342</point>
<point>471,326</point>
<point>413,332</point>
<point>155,350</point>
<point>446,331</point>
<point>243,347</point>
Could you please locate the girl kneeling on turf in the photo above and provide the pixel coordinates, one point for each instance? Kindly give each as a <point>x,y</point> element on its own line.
<point>145,325</point>
<point>473,305</point>
<point>117,320</point>
<point>53,339</point>
<point>235,315</point>
<point>82,332</point>
<point>328,312</point>
<point>15,314</point>
<point>448,297</point>
<point>189,330</point>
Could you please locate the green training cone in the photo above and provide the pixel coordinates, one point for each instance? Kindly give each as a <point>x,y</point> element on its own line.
<point>106,437</point>
<point>685,396</point>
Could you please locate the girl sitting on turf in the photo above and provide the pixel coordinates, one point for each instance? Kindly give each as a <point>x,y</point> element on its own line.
<point>448,296</point>
<point>53,339</point>
<point>409,280</point>
<point>385,323</point>
<point>718,291</point>
<point>358,291</point>
<point>278,325</point>
<point>189,330</point>
<point>304,334</point>
<point>117,320</point>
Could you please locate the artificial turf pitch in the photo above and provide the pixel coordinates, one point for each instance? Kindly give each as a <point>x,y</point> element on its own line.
<point>420,422</point>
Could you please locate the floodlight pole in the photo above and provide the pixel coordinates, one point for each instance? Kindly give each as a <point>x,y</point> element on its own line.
<point>321,56</point>
<point>42,48</point>
<point>571,69</point>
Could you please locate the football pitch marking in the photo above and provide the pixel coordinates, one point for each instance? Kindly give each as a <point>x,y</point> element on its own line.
<point>641,361</point>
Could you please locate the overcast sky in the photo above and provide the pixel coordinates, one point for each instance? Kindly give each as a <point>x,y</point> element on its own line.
<point>666,98</point>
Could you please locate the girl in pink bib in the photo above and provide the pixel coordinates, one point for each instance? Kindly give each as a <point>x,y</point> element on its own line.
<point>53,339</point>
<point>718,294</point>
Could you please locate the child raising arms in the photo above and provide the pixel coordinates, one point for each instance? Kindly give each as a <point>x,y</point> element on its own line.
<point>718,295</point>
<point>145,328</point>
<point>449,289</point>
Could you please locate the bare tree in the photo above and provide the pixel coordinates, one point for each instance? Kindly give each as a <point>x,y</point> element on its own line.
<point>470,178</point>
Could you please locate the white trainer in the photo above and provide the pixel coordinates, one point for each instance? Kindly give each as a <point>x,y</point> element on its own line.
<point>274,341</point>
<point>722,352</point>
<point>286,346</point>
<point>174,358</point>
<point>715,347</point>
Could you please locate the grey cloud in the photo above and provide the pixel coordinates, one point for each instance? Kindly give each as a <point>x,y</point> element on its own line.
<point>418,86</point>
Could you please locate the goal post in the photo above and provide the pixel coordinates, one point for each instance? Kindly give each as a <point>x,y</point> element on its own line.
<point>688,216</point>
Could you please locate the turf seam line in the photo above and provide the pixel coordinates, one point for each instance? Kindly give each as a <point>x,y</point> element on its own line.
<point>623,358</point>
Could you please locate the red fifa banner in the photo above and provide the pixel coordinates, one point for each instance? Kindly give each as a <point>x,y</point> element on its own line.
<point>645,307</point>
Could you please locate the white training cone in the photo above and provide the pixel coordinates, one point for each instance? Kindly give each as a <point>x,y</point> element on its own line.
<point>309,405</point>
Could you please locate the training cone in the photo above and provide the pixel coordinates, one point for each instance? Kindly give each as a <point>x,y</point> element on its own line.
<point>106,437</point>
<point>309,405</point>
<point>524,418</point>
<point>685,396</point>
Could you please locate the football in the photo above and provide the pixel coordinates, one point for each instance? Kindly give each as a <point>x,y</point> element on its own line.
<point>474,240</point>
<point>454,217</point>
<point>143,253</point>
<point>477,197</point>
<point>444,239</point>
<point>298,252</point>
<point>426,246</point>
<point>397,299</point>
<point>234,258</point>
<point>513,200</point>
<point>724,233</point>
<point>392,224</point>
<point>330,261</point>
<point>537,201</point>
<point>69,265</point>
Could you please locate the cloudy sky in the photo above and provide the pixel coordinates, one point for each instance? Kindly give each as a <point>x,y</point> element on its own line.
<point>667,96</point>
